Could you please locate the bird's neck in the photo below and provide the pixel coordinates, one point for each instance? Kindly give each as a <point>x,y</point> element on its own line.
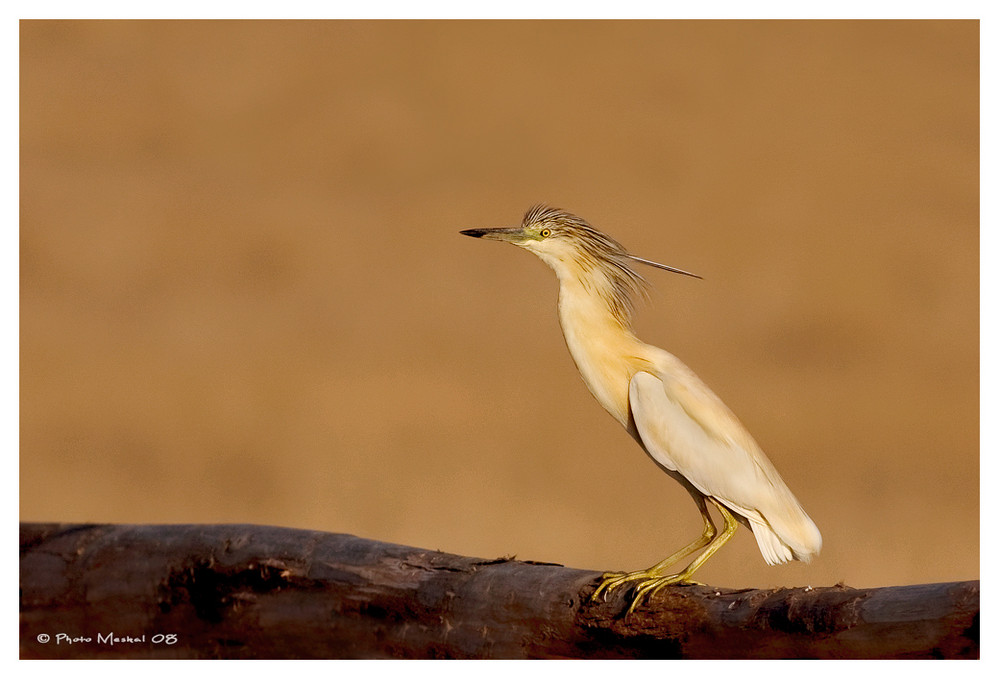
<point>602,345</point>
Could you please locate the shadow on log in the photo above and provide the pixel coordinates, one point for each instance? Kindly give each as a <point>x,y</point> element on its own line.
<point>255,592</point>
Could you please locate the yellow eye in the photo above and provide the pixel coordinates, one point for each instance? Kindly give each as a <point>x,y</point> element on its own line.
<point>545,233</point>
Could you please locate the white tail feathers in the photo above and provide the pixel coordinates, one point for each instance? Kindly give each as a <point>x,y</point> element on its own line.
<point>802,542</point>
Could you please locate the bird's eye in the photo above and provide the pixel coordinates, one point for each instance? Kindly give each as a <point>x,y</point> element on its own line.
<point>545,233</point>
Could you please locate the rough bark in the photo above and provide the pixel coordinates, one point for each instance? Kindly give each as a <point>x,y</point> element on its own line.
<point>242,591</point>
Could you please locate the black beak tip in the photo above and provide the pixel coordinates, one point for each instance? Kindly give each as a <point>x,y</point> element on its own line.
<point>476,233</point>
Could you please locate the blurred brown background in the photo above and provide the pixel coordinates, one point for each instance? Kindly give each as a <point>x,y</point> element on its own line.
<point>244,297</point>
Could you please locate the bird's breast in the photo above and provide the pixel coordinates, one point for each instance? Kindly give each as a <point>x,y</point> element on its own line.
<point>604,352</point>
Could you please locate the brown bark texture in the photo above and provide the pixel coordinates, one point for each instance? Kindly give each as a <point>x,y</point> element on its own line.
<point>259,592</point>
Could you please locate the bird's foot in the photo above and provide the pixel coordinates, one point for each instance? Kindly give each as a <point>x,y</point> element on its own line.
<point>612,579</point>
<point>651,586</point>
<point>651,582</point>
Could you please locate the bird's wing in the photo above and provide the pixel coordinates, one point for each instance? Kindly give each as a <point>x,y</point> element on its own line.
<point>686,428</point>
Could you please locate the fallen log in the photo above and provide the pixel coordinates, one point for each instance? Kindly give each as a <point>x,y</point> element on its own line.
<point>258,592</point>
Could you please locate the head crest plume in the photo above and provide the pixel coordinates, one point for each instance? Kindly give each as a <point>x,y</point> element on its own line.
<point>597,253</point>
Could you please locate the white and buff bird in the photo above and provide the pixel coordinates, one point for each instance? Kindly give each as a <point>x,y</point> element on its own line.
<point>675,417</point>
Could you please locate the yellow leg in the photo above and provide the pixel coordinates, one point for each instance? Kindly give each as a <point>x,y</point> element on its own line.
<point>612,580</point>
<point>653,579</point>
<point>649,588</point>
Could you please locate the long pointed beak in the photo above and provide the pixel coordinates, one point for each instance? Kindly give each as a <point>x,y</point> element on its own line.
<point>496,233</point>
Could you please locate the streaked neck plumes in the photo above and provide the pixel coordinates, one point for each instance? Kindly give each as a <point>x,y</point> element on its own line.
<point>596,288</point>
<point>587,257</point>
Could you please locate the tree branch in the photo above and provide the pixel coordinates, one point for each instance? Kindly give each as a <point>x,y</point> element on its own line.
<point>243,591</point>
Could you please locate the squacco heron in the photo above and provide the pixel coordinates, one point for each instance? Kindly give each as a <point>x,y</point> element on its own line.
<point>676,419</point>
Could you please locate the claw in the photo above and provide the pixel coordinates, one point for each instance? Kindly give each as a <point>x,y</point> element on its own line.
<point>647,589</point>
<point>606,585</point>
<point>612,579</point>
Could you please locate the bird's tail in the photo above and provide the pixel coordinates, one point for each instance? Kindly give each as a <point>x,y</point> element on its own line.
<point>795,538</point>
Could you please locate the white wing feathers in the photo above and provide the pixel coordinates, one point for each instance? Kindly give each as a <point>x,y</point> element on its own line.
<point>686,428</point>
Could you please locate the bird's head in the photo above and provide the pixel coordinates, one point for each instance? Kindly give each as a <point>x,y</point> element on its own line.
<point>576,250</point>
<point>566,242</point>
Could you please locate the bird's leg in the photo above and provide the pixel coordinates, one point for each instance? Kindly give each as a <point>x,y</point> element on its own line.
<point>650,587</point>
<point>613,579</point>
